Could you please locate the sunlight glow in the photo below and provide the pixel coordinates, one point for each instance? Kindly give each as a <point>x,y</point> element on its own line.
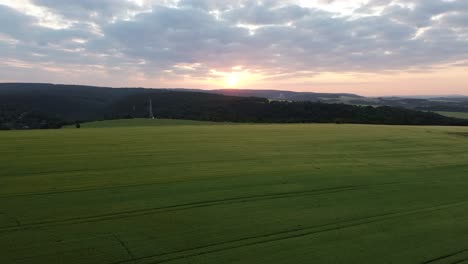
<point>236,77</point>
<point>232,79</point>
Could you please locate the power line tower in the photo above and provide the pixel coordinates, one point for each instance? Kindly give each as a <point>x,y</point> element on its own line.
<point>150,109</point>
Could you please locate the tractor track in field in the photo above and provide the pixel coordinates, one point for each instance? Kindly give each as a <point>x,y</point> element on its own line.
<point>283,235</point>
<point>460,261</point>
<point>185,206</point>
<point>117,186</point>
<point>123,186</point>
<point>17,222</point>
<point>178,207</point>
<point>134,167</point>
<point>124,246</point>
<point>105,188</point>
<point>448,256</point>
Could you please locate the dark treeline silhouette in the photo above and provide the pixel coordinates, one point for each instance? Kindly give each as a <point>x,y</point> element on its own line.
<point>18,117</point>
<point>50,106</point>
<point>212,107</point>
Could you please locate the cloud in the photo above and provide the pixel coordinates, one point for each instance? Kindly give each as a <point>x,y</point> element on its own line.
<point>266,14</point>
<point>88,9</point>
<point>271,37</point>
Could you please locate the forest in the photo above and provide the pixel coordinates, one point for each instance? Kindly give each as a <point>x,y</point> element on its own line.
<point>32,106</point>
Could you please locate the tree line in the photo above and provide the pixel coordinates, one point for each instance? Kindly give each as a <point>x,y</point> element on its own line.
<point>27,106</point>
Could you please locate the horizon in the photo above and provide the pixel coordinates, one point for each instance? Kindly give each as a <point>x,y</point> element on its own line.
<point>246,89</point>
<point>371,48</point>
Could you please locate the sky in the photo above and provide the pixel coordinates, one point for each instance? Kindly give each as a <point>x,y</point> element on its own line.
<point>367,47</point>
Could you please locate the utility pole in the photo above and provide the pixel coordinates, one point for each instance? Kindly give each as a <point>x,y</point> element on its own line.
<point>150,109</point>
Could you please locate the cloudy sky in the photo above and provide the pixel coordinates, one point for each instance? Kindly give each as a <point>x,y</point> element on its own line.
<point>370,47</point>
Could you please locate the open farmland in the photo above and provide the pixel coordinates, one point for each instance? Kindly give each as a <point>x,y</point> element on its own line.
<point>143,122</point>
<point>234,194</point>
<point>454,114</point>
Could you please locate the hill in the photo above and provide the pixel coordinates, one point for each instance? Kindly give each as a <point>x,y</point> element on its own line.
<point>455,103</point>
<point>424,103</point>
<point>291,96</point>
<point>438,104</point>
<point>69,103</point>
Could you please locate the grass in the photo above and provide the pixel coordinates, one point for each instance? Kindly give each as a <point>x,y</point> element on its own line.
<point>454,114</point>
<point>143,122</point>
<point>234,194</point>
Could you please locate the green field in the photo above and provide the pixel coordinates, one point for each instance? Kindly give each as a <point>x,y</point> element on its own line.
<point>143,122</point>
<point>235,194</point>
<point>455,114</point>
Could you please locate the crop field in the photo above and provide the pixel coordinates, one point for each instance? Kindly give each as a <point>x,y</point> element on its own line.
<point>139,122</point>
<point>201,193</point>
<point>455,114</point>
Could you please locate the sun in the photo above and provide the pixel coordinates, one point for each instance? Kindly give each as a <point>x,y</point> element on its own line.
<point>236,78</point>
<point>232,80</point>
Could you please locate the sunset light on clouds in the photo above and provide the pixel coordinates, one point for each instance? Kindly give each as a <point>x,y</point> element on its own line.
<point>369,47</point>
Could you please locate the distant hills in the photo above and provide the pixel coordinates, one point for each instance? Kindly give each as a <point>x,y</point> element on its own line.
<point>24,105</point>
<point>288,95</point>
<point>450,103</point>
